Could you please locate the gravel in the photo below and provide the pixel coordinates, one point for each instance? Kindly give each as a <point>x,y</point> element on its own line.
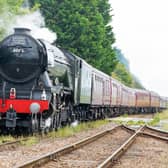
<point>145,153</point>
<point>93,154</point>
<point>14,157</point>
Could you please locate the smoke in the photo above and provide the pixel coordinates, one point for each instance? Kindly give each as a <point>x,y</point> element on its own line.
<point>74,124</point>
<point>35,22</point>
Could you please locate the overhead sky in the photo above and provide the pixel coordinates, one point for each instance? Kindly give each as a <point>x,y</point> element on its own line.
<point>141,32</point>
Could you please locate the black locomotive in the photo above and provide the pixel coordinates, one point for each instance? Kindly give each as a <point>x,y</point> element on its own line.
<point>37,83</point>
<point>44,87</point>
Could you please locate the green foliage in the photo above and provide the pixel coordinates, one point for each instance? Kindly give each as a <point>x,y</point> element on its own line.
<point>30,141</point>
<point>159,116</point>
<point>124,115</point>
<point>10,6</point>
<point>157,120</point>
<point>154,121</point>
<point>9,10</point>
<point>136,83</point>
<point>121,58</point>
<point>122,74</point>
<point>165,126</point>
<point>82,27</point>
<point>130,122</point>
<point>69,131</point>
<point>163,115</point>
<point>4,139</point>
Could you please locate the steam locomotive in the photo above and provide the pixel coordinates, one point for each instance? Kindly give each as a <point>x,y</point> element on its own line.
<point>44,87</point>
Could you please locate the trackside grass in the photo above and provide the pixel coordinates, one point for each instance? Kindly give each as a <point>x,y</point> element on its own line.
<point>159,119</point>
<point>8,138</point>
<point>163,115</point>
<point>71,130</point>
<point>31,141</point>
<point>154,121</point>
<point>129,123</point>
<point>66,131</point>
<point>62,132</point>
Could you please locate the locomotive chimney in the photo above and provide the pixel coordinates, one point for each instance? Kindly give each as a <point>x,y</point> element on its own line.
<point>22,31</point>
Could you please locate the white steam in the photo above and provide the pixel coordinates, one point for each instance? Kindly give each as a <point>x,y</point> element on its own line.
<point>74,124</point>
<point>35,21</point>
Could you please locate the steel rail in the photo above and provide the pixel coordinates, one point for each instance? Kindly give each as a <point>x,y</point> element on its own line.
<point>110,160</point>
<point>164,135</point>
<point>128,129</point>
<point>156,130</point>
<point>153,136</point>
<point>12,142</point>
<point>140,132</point>
<point>67,149</point>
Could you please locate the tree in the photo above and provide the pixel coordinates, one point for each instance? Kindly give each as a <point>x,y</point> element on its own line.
<point>137,83</point>
<point>82,27</point>
<point>121,58</point>
<point>120,73</point>
<point>9,11</point>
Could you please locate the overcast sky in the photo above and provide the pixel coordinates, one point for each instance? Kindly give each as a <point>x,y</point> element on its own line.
<point>141,32</point>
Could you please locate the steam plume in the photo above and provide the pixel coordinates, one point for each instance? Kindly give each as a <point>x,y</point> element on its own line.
<point>34,21</point>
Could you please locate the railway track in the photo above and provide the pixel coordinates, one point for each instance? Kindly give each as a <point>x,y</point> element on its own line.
<point>145,131</point>
<point>12,144</point>
<point>151,130</point>
<point>115,138</point>
<point>7,145</point>
<point>87,152</point>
